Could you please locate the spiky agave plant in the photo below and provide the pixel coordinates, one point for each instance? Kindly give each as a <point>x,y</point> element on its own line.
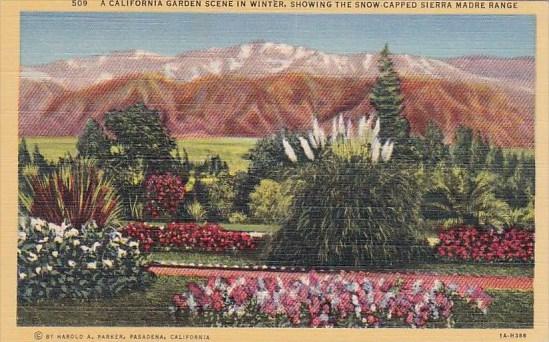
<point>75,192</point>
<point>350,212</point>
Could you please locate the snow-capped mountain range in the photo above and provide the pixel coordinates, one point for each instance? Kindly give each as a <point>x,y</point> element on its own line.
<point>258,59</point>
<point>258,88</point>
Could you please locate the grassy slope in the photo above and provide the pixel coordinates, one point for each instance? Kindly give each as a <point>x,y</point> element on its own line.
<point>231,150</point>
<point>150,308</point>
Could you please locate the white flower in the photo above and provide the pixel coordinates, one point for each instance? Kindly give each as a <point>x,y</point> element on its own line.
<point>55,254</point>
<point>121,253</point>
<point>376,149</point>
<point>76,243</point>
<point>38,270</point>
<point>91,265</point>
<point>72,263</point>
<point>49,268</point>
<point>133,244</point>
<point>95,245</point>
<point>58,239</point>
<point>31,256</point>
<point>72,232</point>
<point>22,275</point>
<point>306,148</point>
<point>387,150</point>
<point>59,230</point>
<point>107,263</point>
<point>38,248</point>
<point>38,224</point>
<point>22,236</point>
<point>46,239</point>
<point>289,150</point>
<point>85,249</point>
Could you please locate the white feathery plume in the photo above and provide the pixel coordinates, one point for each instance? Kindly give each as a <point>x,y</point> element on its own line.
<point>376,130</point>
<point>361,130</point>
<point>334,129</point>
<point>370,121</point>
<point>349,133</point>
<point>376,149</point>
<point>341,125</point>
<point>387,150</point>
<point>306,148</point>
<point>316,130</point>
<point>312,140</point>
<point>322,138</point>
<point>289,150</point>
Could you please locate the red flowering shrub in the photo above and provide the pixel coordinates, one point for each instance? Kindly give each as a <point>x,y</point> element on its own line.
<point>313,300</point>
<point>471,243</point>
<point>208,237</point>
<point>163,194</point>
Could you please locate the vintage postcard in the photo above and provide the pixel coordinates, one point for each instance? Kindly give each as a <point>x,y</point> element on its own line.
<point>260,170</point>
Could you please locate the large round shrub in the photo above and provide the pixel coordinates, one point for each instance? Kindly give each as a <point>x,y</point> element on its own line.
<point>59,261</point>
<point>350,212</point>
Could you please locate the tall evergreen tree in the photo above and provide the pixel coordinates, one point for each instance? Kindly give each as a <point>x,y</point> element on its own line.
<point>387,100</point>
<point>433,148</point>
<point>496,160</point>
<point>93,143</point>
<point>461,151</point>
<point>479,152</point>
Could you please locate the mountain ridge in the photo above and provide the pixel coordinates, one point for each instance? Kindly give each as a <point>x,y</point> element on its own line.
<point>257,88</point>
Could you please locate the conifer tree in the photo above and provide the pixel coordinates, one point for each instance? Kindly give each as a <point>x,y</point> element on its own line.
<point>93,143</point>
<point>463,142</point>
<point>387,100</point>
<point>434,149</point>
<point>479,152</point>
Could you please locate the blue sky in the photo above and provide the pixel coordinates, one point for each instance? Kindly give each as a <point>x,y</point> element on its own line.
<point>46,37</point>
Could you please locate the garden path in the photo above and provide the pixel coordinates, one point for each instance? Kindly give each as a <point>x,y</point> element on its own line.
<point>463,281</point>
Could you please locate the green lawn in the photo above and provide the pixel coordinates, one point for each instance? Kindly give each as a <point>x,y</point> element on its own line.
<point>204,258</point>
<point>259,228</point>
<point>150,308</point>
<point>255,258</point>
<point>231,150</point>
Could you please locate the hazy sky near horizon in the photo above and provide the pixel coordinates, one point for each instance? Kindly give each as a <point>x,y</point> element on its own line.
<point>46,37</point>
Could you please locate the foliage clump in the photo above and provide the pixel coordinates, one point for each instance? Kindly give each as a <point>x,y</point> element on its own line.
<point>60,261</point>
<point>351,212</point>
<point>77,192</point>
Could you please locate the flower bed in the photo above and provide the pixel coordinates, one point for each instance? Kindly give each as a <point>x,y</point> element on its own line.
<point>471,243</point>
<point>61,261</point>
<point>321,301</point>
<point>207,237</point>
<point>164,193</point>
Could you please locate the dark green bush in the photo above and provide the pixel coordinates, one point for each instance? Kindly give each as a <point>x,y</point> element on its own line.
<point>350,212</point>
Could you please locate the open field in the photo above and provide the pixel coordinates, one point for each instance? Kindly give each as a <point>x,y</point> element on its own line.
<point>231,150</point>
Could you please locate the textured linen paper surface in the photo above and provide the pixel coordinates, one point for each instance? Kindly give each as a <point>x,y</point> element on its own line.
<point>237,170</point>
